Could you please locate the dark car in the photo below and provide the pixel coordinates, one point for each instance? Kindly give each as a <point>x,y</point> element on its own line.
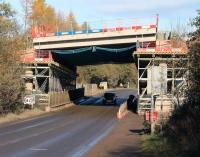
<point>110,98</point>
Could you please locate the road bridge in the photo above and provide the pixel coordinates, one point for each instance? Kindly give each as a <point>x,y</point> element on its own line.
<point>146,34</point>
<point>63,50</point>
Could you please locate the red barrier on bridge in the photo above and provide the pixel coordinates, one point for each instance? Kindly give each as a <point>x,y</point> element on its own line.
<point>153,26</point>
<point>136,27</point>
<point>119,29</point>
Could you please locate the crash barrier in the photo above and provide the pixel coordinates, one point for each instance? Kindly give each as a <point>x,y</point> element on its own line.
<point>54,99</point>
<point>122,110</point>
<point>76,94</point>
<point>59,98</point>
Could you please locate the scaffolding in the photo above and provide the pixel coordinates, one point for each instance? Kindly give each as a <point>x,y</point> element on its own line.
<point>161,79</point>
<point>47,80</point>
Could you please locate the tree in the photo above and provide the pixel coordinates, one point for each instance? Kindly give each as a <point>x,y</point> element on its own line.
<point>183,127</point>
<point>71,23</point>
<point>112,73</point>
<point>61,22</point>
<point>43,14</point>
<point>195,36</point>
<point>27,10</point>
<point>5,23</point>
<point>85,26</point>
<point>10,70</point>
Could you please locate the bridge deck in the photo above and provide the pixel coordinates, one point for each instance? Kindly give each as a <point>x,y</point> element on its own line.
<point>92,39</point>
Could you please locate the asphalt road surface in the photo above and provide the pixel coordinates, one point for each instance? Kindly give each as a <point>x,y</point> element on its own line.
<point>68,133</point>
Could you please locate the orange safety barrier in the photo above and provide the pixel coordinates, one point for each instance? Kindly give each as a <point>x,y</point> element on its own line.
<point>105,30</point>
<point>31,56</point>
<point>112,29</point>
<point>119,29</point>
<point>153,26</point>
<point>136,27</point>
<point>38,31</point>
<point>42,31</point>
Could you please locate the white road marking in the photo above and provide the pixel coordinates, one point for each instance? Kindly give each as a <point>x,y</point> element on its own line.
<point>29,119</point>
<point>35,135</point>
<point>28,127</point>
<point>38,149</point>
<point>92,143</point>
<point>82,100</point>
<point>86,101</point>
<point>98,101</point>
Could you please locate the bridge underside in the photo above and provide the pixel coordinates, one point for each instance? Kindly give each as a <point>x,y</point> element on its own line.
<point>95,55</point>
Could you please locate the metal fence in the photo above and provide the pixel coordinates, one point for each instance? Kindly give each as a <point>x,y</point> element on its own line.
<point>58,98</point>
<point>55,99</point>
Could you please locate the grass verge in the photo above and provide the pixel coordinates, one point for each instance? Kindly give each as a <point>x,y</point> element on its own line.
<point>159,146</point>
<point>20,116</point>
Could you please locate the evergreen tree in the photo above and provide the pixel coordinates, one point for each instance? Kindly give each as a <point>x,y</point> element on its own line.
<point>85,26</point>
<point>71,24</point>
<point>195,36</point>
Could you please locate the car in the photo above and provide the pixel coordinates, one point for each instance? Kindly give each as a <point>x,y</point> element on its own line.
<point>110,98</point>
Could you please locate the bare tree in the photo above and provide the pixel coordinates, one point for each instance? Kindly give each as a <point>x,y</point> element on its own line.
<point>27,10</point>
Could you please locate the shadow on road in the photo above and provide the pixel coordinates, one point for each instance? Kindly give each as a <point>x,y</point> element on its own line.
<point>137,131</point>
<point>128,151</point>
<point>97,101</point>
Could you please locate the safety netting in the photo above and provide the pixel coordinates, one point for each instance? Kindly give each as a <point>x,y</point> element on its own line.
<point>95,55</point>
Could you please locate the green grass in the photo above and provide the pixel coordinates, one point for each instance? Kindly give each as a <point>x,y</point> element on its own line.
<point>159,146</point>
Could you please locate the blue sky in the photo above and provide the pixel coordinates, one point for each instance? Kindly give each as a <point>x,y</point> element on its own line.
<point>170,12</point>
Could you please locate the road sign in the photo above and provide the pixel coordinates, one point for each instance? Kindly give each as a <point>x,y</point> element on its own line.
<point>29,100</point>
